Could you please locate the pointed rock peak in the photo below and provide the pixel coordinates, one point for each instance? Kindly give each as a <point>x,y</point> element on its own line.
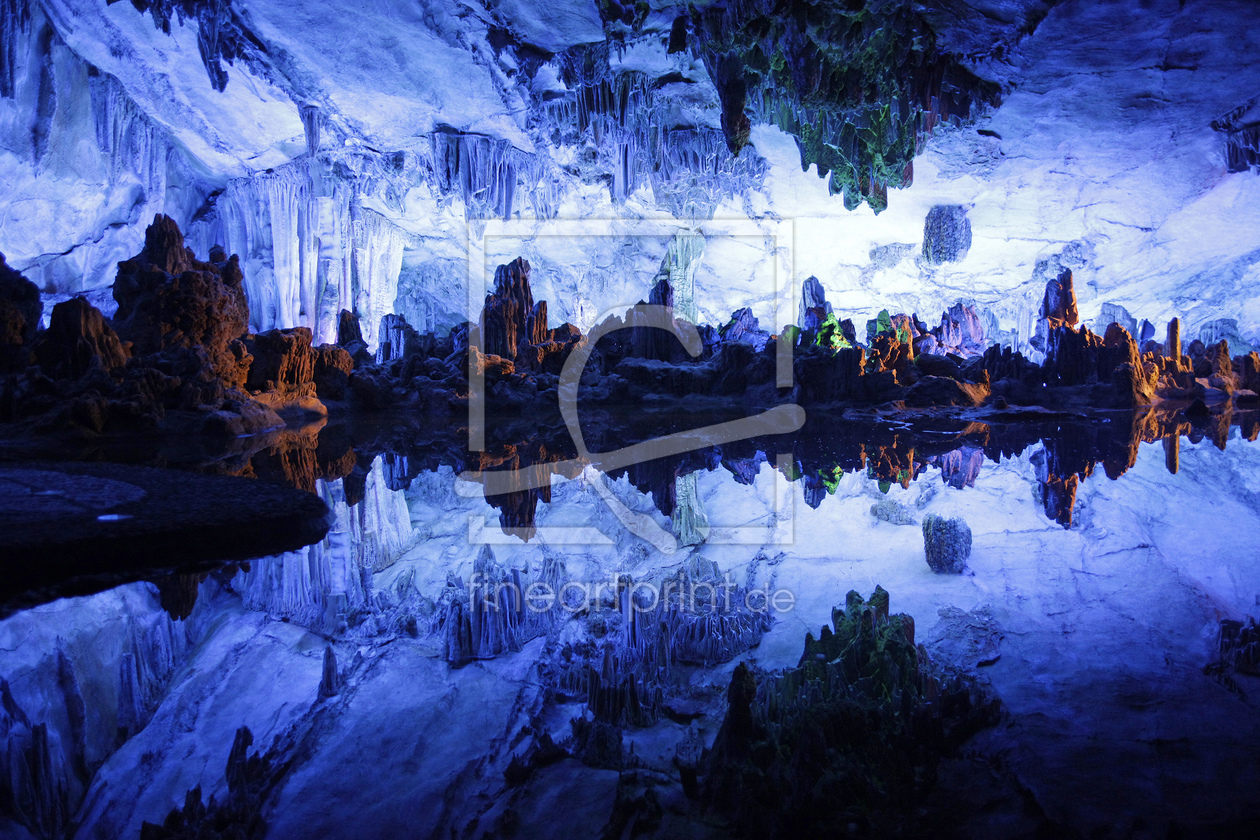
<point>505,319</point>
<point>512,281</point>
<point>1118,336</point>
<point>1059,305</point>
<point>164,246</point>
<point>662,293</point>
<point>814,306</point>
<point>20,311</point>
<point>77,340</point>
<point>348,328</point>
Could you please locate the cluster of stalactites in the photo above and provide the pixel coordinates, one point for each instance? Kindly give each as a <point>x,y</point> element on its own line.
<point>859,88</point>
<point>690,169</point>
<point>1242,136</point>
<point>311,248</point>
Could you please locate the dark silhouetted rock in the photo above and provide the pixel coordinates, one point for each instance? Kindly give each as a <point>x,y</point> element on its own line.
<point>744,327</point>
<point>934,365</point>
<point>350,337</point>
<point>947,543</point>
<point>733,96</point>
<point>504,317</point>
<point>791,741</point>
<point>1133,386</point>
<point>330,681</point>
<point>20,311</point>
<point>946,234</point>
<point>78,340</point>
<point>1078,357</point>
<point>169,299</point>
<point>333,366</point>
<point>373,389</point>
<point>1249,371</point>
<point>940,390</point>
<point>1246,399</point>
<point>177,593</point>
<point>823,376</point>
<point>1217,356</point>
<point>348,330</point>
<point>677,36</point>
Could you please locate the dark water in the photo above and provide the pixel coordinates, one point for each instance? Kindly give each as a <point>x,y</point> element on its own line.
<point>353,688</point>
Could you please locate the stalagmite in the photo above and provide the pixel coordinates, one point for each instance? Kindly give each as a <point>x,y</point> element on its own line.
<point>1172,344</point>
<point>330,681</point>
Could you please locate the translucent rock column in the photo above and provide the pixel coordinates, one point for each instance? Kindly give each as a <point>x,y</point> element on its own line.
<point>679,268</point>
<point>1172,344</point>
<point>691,523</point>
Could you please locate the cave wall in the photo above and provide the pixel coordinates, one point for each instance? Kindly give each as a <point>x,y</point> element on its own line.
<point>349,156</point>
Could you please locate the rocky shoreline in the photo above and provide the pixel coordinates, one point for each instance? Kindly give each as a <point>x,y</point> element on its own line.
<point>177,358</point>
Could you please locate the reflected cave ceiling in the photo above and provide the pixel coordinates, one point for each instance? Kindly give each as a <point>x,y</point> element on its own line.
<point>342,149</point>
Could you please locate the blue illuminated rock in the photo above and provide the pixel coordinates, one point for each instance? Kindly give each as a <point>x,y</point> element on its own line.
<point>947,543</point>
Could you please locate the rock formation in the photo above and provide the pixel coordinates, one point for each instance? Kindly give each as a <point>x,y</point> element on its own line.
<point>947,543</point>
<point>20,310</point>
<point>168,299</point>
<point>78,340</point>
<point>1059,304</point>
<point>796,753</point>
<point>886,510</point>
<point>946,234</point>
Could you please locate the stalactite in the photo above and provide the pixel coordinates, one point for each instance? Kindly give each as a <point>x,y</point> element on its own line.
<point>76,711</point>
<point>689,170</point>
<point>860,86</point>
<point>15,21</point>
<point>487,174</point>
<point>1242,136</point>
<point>46,97</point>
<point>311,124</point>
<point>324,584</point>
<point>330,681</point>
<point>308,249</point>
<point>156,646</point>
<point>492,615</point>
<point>698,618</point>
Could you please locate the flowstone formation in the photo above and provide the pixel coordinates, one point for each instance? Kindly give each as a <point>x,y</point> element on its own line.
<point>847,742</point>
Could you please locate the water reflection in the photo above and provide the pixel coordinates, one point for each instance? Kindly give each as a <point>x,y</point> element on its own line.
<point>374,648</point>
